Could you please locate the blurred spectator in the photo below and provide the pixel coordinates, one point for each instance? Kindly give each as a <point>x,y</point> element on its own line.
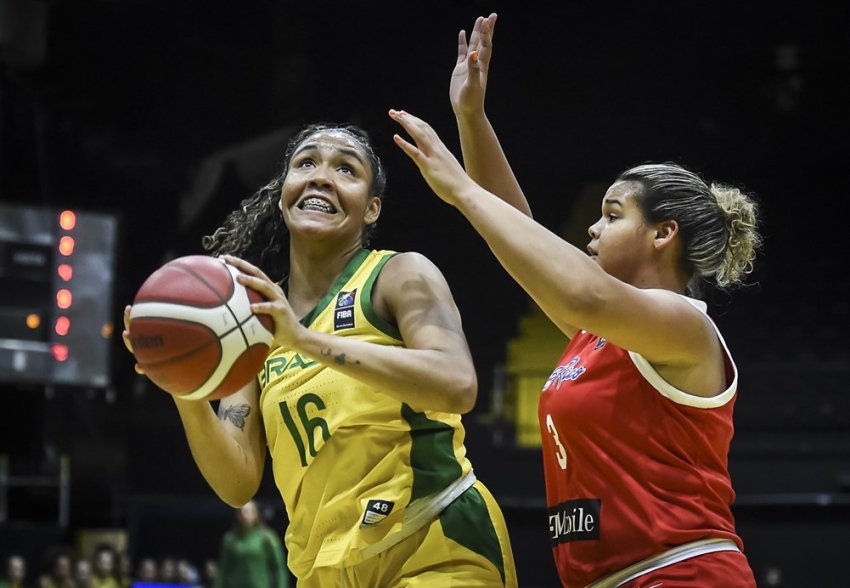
<point>210,572</point>
<point>125,570</point>
<point>83,573</point>
<point>15,572</point>
<point>105,568</point>
<point>147,572</point>
<point>58,568</point>
<point>168,570</point>
<point>252,555</point>
<point>187,573</point>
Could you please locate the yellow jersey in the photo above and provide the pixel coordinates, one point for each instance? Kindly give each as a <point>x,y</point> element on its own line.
<point>357,469</point>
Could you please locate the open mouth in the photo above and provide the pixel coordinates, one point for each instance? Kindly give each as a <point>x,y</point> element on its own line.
<point>317,204</point>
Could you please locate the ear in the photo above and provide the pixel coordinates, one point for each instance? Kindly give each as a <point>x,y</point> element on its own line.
<point>665,234</point>
<point>373,210</point>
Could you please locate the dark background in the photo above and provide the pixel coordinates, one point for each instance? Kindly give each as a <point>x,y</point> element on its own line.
<point>166,114</point>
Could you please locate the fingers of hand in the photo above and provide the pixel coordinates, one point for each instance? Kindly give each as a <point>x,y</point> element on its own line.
<point>486,42</point>
<point>125,334</point>
<point>411,150</point>
<point>462,47</point>
<point>261,284</point>
<point>416,128</point>
<point>475,37</point>
<point>244,266</point>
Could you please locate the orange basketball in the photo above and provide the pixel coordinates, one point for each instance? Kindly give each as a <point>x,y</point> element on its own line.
<point>193,332</point>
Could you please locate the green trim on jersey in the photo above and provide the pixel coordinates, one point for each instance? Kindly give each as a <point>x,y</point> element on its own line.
<point>369,310</point>
<point>432,453</point>
<point>467,521</point>
<point>355,262</point>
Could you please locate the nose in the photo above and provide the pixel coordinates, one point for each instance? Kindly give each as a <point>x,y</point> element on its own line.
<point>593,230</point>
<point>319,176</point>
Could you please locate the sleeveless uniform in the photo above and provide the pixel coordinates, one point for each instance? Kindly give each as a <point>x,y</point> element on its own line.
<point>359,471</point>
<point>635,468</point>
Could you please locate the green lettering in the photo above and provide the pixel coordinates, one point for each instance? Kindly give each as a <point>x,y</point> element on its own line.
<point>310,424</point>
<point>276,366</point>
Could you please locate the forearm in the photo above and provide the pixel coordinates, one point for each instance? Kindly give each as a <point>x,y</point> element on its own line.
<point>408,375</point>
<point>230,465</point>
<point>559,277</point>
<point>485,161</point>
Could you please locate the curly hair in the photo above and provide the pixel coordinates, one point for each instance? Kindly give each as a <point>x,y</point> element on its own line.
<point>718,224</point>
<point>256,232</point>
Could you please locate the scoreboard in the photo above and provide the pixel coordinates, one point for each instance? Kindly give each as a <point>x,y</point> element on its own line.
<point>56,289</point>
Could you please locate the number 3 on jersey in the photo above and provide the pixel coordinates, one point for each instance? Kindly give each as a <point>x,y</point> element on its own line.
<point>310,424</point>
<point>561,454</point>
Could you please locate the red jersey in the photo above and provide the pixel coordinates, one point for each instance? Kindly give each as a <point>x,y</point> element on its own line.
<point>633,466</point>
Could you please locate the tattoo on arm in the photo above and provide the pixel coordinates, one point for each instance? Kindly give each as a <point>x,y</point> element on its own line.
<point>236,414</point>
<point>339,358</point>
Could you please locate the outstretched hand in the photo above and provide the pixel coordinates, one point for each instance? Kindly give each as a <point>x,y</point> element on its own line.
<point>287,327</point>
<point>438,166</point>
<point>469,78</point>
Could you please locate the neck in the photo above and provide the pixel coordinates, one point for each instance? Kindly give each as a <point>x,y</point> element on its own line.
<point>660,278</point>
<point>312,271</point>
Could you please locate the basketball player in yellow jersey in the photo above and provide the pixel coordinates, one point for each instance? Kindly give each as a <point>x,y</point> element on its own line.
<point>360,399</point>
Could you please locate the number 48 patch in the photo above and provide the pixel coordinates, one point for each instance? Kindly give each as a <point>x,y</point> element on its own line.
<point>376,511</point>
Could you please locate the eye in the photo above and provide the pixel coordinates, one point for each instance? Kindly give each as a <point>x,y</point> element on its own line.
<point>346,169</point>
<point>611,217</point>
<point>305,162</point>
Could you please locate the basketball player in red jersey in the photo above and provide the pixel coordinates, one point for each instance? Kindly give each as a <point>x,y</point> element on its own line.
<point>636,419</point>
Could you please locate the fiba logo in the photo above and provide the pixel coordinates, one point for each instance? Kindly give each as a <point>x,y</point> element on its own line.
<point>344,311</point>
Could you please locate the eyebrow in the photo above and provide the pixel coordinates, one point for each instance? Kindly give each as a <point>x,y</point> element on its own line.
<point>345,150</point>
<point>611,201</point>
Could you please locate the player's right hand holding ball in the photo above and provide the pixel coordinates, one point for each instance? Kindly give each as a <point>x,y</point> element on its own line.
<point>287,327</point>
<point>125,335</point>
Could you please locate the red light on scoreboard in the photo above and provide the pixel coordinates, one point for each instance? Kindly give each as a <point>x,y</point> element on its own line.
<point>66,245</point>
<point>65,271</point>
<point>63,325</point>
<point>67,219</point>
<point>64,298</point>
<point>59,351</point>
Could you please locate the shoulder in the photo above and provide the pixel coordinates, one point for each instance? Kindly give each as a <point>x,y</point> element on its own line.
<point>408,278</point>
<point>410,272</point>
<point>409,263</point>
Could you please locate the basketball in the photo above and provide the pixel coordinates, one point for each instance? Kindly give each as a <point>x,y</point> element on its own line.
<point>193,332</point>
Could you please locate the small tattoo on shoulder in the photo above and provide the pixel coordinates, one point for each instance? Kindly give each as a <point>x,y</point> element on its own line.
<point>236,414</point>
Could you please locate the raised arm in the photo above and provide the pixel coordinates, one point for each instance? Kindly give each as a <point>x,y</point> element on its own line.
<point>413,293</point>
<point>571,288</point>
<point>483,156</point>
<point>229,447</point>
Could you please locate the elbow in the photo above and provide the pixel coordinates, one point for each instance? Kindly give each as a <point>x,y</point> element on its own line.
<point>466,403</point>
<point>237,492</point>
<point>456,396</point>
<point>235,498</point>
<point>465,394</point>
